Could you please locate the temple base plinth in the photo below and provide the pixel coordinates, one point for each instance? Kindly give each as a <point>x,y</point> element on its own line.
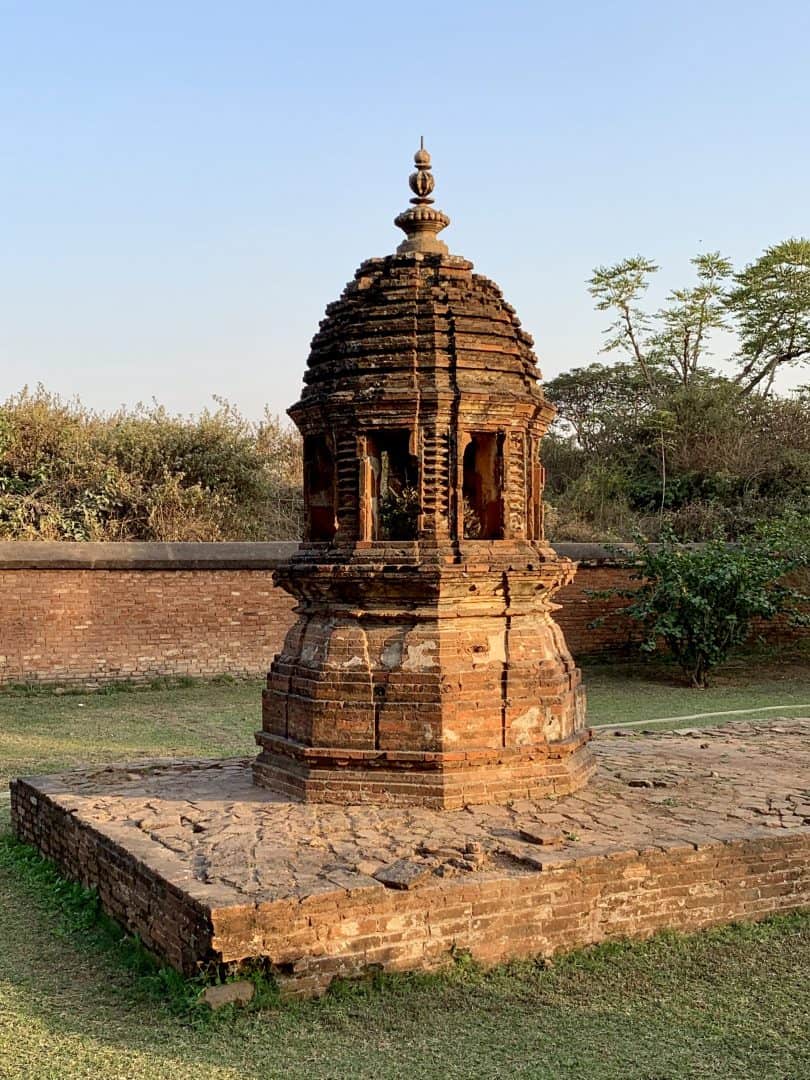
<point>437,780</point>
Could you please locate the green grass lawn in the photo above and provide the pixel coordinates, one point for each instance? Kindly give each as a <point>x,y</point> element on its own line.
<point>731,1003</point>
<point>40,731</point>
<point>625,692</point>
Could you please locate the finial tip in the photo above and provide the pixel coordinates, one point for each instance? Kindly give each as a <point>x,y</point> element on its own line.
<point>421,223</point>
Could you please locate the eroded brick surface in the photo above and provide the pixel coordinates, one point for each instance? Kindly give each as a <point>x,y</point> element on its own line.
<point>677,830</point>
<point>425,666</point>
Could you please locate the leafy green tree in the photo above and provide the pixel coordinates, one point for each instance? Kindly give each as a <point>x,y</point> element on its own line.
<point>770,302</point>
<point>674,339</point>
<point>700,602</point>
<point>600,404</point>
<point>618,289</point>
<point>680,343</point>
<point>734,460</point>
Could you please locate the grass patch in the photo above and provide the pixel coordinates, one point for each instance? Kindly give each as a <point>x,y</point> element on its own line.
<point>626,691</point>
<point>79,1001</point>
<point>80,917</point>
<point>43,732</point>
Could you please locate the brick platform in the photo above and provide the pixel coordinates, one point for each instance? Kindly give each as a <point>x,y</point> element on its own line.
<point>683,830</point>
<point>441,781</point>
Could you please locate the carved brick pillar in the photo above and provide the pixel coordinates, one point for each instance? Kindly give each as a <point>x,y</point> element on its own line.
<point>435,483</point>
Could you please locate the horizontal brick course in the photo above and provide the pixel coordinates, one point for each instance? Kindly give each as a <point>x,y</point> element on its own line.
<point>496,916</point>
<point>97,613</point>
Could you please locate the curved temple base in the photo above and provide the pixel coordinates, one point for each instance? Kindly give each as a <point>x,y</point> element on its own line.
<point>425,685</point>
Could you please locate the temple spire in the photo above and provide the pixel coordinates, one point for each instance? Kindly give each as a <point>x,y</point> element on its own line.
<point>420,222</point>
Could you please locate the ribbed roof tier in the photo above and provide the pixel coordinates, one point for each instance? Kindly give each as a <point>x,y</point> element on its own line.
<point>425,668</point>
<point>424,318</point>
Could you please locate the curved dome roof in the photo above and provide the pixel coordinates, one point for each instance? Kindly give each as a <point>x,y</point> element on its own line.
<point>424,317</point>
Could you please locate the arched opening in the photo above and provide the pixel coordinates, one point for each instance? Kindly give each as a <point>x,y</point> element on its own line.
<point>483,486</point>
<point>394,482</point>
<point>319,488</point>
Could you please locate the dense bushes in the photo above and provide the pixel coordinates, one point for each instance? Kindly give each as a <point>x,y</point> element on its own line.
<point>731,459</point>
<point>67,473</point>
<point>661,440</point>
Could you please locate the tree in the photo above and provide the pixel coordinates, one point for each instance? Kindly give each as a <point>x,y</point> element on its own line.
<point>733,459</point>
<point>771,304</point>
<point>681,342</point>
<point>618,289</point>
<point>659,438</point>
<point>674,339</point>
<point>700,602</point>
<point>600,403</point>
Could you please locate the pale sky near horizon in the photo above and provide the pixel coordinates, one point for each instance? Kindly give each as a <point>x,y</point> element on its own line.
<point>185,186</point>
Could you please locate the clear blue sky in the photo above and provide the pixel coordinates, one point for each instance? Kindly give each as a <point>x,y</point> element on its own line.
<point>185,185</point>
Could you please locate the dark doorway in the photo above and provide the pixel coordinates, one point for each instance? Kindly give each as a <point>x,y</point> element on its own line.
<point>319,487</point>
<point>394,495</point>
<point>483,484</point>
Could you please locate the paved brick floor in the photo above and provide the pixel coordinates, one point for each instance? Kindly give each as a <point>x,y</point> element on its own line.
<point>204,822</point>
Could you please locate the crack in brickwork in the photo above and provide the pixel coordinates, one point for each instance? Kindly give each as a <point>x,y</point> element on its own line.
<point>649,790</point>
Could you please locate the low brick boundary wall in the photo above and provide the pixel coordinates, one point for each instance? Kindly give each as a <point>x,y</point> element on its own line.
<point>84,613</point>
<point>98,613</point>
<point>348,931</point>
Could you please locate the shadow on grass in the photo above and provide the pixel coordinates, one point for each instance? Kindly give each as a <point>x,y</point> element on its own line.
<point>760,661</point>
<point>125,686</point>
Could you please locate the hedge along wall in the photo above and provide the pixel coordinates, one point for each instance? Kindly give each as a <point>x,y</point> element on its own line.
<point>87,614</point>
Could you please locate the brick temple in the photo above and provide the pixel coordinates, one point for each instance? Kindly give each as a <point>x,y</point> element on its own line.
<point>424,674</point>
<point>425,666</point>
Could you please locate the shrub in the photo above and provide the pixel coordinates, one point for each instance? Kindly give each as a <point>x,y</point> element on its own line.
<point>699,602</point>
<point>68,473</point>
<point>399,514</point>
<point>732,460</point>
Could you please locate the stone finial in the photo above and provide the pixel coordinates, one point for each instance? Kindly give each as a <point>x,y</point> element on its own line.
<point>420,222</point>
